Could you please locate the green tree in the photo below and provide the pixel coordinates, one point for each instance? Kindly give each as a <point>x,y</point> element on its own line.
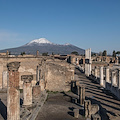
<point>93,54</point>
<point>114,54</point>
<point>75,53</point>
<point>53,53</point>
<point>104,53</point>
<point>23,53</point>
<point>118,52</point>
<point>45,54</point>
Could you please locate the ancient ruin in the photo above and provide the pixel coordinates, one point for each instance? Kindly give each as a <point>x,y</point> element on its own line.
<point>34,82</point>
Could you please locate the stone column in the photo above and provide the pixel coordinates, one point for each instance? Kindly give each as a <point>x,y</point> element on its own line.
<point>1,76</point>
<point>13,93</point>
<point>77,61</point>
<point>27,89</point>
<point>81,94</point>
<point>42,84</point>
<point>4,80</point>
<point>86,70</point>
<point>96,73</point>
<point>87,108</point>
<point>90,69</point>
<point>38,74</point>
<point>113,82</point>
<point>37,53</point>
<point>119,79</point>
<point>101,76</point>
<point>107,76</point>
<point>88,62</point>
<point>7,53</point>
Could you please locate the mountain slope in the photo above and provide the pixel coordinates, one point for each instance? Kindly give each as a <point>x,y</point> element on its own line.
<point>43,45</point>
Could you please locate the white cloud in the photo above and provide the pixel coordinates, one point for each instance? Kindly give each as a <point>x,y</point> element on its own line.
<point>7,36</point>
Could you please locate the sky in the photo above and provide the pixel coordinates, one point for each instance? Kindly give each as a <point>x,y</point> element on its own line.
<point>86,24</point>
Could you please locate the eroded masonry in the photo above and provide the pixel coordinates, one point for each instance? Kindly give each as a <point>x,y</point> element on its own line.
<point>28,80</point>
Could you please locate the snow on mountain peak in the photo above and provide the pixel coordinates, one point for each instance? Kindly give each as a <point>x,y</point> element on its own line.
<point>40,41</point>
<point>67,44</point>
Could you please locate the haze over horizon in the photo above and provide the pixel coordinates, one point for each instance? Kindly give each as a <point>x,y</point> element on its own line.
<point>86,24</point>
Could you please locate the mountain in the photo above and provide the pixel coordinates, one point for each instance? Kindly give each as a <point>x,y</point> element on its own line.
<point>43,45</point>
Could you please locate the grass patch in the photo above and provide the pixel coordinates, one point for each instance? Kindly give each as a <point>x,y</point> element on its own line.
<point>21,90</point>
<point>52,92</point>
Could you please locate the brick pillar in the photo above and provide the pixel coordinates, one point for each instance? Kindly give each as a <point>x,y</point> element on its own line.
<point>27,89</point>
<point>87,108</point>
<point>101,76</point>
<point>81,94</point>
<point>119,79</point>
<point>107,76</point>
<point>13,93</point>
<point>113,78</point>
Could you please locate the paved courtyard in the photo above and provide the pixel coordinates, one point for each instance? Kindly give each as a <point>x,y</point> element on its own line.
<point>59,106</point>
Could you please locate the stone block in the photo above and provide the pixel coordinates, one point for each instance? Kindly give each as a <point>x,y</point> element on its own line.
<point>87,108</point>
<point>36,91</point>
<point>76,113</point>
<point>94,109</point>
<point>95,117</point>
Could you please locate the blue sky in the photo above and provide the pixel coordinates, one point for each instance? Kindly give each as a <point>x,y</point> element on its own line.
<point>91,24</point>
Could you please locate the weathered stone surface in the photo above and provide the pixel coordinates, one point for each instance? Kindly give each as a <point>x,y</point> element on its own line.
<point>36,91</point>
<point>96,70</point>
<point>27,78</point>
<point>81,94</point>
<point>119,79</point>
<point>1,76</point>
<point>27,89</point>
<point>113,82</point>
<point>107,76</point>
<point>87,108</point>
<point>94,109</point>
<point>76,113</point>
<point>42,85</point>
<point>95,117</point>
<point>101,76</point>
<point>55,73</point>
<point>13,66</point>
<point>5,78</point>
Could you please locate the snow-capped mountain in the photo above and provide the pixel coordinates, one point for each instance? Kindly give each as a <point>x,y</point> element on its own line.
<point>43,45</point>
<point>39,41</point>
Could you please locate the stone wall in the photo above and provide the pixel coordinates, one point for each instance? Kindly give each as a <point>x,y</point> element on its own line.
<point>57,77</point>
<point>57,74</point>
<point>27,66</point>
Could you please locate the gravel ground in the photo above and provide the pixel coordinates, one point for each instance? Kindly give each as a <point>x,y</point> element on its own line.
<point>58,107</point>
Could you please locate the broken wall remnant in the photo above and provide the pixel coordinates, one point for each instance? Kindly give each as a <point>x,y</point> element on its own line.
<point>87,108</point>
<point>27,89</point>
<point>55,76</point>
<point>81,94</point>
<point>57,73</point>
<point>90,109</point>
<point>36,91</point>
